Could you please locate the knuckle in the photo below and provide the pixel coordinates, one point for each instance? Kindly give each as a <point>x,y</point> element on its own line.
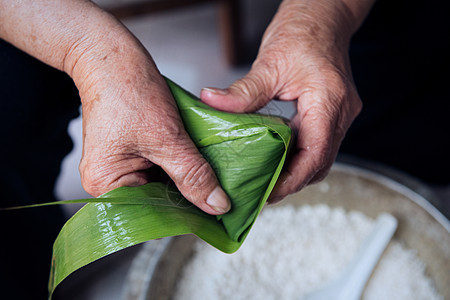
<point>196,176</point>
<point>320,163</point>
<point>320,158</point>
<point>294,188</point>
<point>255,89</point>
<point>321,175</point>
<point>91,178</point>
<point>90,185</point>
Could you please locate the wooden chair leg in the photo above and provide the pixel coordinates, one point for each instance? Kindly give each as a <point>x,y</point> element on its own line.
<point>230,30</point>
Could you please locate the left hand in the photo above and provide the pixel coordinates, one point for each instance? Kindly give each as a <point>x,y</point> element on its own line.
<point>303,57</point>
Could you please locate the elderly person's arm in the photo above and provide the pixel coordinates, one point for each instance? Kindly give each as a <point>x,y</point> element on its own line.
<point>303,57</point>
<point>130,120</point>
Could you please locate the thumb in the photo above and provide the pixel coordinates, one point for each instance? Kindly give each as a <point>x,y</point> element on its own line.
<point>247,94</point>
<point>196,180</point>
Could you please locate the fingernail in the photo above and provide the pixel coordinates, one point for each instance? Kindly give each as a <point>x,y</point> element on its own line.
<point>216,91</point>
<point>219,201</point>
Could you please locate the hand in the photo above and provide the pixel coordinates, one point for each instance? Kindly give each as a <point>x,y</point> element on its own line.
<point>131,123</point>
<point>303,58</point>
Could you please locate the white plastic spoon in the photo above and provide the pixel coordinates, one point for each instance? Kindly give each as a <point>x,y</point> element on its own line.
<point>350,284</point>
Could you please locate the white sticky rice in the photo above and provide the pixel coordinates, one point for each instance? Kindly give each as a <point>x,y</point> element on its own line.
<point>291,252</point>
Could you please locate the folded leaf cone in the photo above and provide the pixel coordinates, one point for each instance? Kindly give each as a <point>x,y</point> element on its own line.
<point>246,151</point>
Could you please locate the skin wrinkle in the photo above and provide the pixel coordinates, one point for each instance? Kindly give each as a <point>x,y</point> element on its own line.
<point>318,109</point>
<point>116,141</point>
<point>160,136</point>
<point>62,37</point>
<point>341,11</point>
<point>111,173</point>
<point>72,56</point>
<point>194,176</point>
<point>293,24</point>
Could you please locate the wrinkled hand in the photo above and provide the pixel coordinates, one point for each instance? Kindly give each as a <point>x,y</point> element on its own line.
<point>131,123</point>
<point>303,57</point>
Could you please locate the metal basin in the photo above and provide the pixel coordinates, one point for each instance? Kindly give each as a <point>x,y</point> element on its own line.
<point>156,268</point>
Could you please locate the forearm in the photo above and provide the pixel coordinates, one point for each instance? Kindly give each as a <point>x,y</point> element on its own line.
<point>74,36</point>
<point>344,16</point>
<point>308,29</point>
<point>357,10</point>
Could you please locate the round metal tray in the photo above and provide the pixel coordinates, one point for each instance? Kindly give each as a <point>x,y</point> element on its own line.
<point>155,270</point>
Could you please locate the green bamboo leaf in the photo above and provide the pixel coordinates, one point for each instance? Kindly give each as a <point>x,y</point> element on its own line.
<point>247,152</point>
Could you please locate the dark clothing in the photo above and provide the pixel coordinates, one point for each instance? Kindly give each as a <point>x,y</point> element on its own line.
<point>400,60</point>
<point>37,103</point>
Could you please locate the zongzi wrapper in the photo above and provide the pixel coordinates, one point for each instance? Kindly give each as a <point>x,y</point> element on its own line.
<point>246,151</point>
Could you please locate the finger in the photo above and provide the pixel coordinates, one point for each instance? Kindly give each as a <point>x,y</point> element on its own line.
<point>322,173</point>
<point>342,122</point>
<point>301,171</point>
<point>313,150</point>
<point>190,172</point>
<point>248,94</point>
<point>196,180</point>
